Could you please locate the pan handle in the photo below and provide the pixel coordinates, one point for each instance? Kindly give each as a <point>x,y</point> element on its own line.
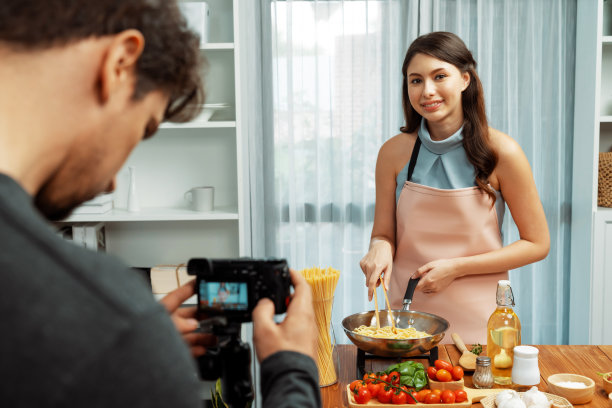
<point>412,284</point>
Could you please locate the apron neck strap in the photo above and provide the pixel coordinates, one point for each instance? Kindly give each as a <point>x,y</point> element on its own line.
<point>413,158</point>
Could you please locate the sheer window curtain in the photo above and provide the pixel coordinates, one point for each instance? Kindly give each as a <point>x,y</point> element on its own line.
<point>333,70</point>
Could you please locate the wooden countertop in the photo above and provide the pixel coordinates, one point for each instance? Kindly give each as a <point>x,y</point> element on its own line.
<point>584,360</point>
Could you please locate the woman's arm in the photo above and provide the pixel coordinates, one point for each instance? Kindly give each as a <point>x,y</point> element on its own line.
<point>514,179</point>
<point>379,259</point>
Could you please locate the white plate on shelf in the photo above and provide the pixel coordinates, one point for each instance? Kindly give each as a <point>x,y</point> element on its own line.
<point>208,110</point>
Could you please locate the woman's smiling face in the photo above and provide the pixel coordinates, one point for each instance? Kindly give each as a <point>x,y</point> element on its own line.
<point>435,87</point>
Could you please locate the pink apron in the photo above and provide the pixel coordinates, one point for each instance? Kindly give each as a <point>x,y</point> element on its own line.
<point>442,224</point>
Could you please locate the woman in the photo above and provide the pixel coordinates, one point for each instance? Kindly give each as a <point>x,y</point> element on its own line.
<point>440,191</point>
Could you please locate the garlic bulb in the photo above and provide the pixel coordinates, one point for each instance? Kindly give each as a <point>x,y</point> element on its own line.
<point>513,402</point>
<point>534,397</point>
<point>505,395</point>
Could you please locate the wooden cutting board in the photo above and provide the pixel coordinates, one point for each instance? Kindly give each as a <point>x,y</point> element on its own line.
<point>474,395</point>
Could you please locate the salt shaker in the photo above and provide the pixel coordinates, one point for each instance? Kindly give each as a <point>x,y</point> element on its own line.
<point>483,377</point>
<point>525,371</point>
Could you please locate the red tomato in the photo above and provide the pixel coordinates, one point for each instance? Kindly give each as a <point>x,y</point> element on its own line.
<point>443,364</point>
<point>448,397</point>
<point>401,397</point>
<point>460,396</point>
<point>385,394</point>
<point>420,396</point>
<point>412,397</point>
<point>457,373</point>
<point>363,396</point>
<point>394,377</point>
<point>369,377</point>
<point>437,392</point>
<point>432,398</point>
<point>356,384</point>
<point>431,372</point>
<point>374,388</point>
<point>383,377</point>
<point>444,375</point>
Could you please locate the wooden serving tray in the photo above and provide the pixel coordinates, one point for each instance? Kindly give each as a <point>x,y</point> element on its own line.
<point>473,394</point>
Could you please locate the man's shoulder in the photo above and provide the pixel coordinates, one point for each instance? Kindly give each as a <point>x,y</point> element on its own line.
<point>74,319</point>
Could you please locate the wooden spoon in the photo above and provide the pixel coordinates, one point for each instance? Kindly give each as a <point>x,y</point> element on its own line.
<point>467,359</point>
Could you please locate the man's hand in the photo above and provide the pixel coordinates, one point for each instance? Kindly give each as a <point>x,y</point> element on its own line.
<point>184,319</point>
<point>298,332</point>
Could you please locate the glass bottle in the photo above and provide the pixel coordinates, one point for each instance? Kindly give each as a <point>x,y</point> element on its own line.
<point>483,377</point>
<point>503,334</point>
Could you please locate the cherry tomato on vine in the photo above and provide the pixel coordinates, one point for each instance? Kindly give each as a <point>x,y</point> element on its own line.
<point>448,397</point>
<point>383,377</point>
<point>385,394</point>
<point>356,384</point>
<point>400,397</point>
<point>431,372</point>
<point>374,388</point>
<point>412,397</point>
<point>444,375</point>
<point>441,364</point>
<point>363,396</point>
<point>369,377</point>
<point>394,377</point>
<point>457,373</point>
<point>460,396</point>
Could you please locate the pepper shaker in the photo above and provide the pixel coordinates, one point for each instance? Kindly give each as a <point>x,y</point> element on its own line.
<point>483,377</point>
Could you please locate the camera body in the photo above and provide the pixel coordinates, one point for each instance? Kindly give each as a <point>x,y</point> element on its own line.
<point>232,287</point>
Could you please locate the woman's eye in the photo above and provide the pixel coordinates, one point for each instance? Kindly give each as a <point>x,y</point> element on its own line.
<point>440,76</point>
<point>415,81</point>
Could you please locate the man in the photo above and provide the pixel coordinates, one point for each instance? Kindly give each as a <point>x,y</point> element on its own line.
<point>81,84</point>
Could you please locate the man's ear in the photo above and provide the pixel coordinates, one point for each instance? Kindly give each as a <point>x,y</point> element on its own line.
<point>119,62</point>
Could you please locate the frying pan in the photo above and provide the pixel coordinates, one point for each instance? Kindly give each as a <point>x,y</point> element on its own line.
<point>434,325</point>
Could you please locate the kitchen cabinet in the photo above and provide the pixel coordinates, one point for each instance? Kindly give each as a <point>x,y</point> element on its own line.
<point>591,241</point>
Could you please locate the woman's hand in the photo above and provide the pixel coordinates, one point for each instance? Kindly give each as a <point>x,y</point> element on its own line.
<point>185,321</point>
<point>378,261</point>
<point>437,275</point>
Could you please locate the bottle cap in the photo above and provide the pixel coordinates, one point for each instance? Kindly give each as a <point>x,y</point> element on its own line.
<point>526,352</point>
<point>483,361</point>
<point>504,296</point>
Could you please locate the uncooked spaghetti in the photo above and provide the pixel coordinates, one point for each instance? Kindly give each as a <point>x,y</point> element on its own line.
<point>387,332</point>
<point>323,283</point>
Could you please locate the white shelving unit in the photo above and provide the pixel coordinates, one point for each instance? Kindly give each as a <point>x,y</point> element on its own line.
<point>591,248</point>
<point>182,156</point>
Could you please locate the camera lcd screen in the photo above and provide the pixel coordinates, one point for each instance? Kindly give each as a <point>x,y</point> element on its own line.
<point>224,295</point>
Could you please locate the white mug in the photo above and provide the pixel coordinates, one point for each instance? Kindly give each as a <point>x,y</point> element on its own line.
<point>201,198</point>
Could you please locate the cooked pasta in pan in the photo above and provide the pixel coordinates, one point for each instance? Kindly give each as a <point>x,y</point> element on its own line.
<point>388,332</point>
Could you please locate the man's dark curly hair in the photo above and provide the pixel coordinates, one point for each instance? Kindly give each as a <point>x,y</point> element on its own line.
<point>170,61</point>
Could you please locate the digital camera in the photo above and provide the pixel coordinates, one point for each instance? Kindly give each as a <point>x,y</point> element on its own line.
<point>232,287</point>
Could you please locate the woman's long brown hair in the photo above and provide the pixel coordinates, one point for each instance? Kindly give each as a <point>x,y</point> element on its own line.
<point>448,47</point>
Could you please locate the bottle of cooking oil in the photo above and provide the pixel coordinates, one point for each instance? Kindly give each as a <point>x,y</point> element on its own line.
<point>503,333</point>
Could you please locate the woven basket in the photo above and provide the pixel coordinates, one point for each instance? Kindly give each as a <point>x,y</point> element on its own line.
<point>604,185</point>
